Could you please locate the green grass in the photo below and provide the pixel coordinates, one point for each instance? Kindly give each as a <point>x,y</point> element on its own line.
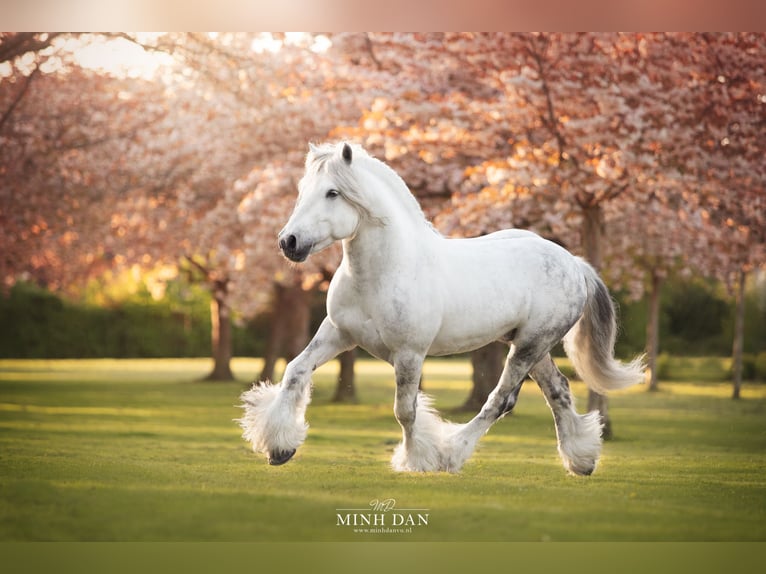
<point>137,450</point>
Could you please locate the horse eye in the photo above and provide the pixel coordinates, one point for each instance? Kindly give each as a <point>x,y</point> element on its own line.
<point>331,194</point>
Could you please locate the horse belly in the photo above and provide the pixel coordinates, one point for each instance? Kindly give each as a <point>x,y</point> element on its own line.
<point>450,344</point>
<point>483,310</point>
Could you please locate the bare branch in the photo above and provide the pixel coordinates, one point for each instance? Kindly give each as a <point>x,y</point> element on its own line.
<point>18,97</point>
<point>13,45</point>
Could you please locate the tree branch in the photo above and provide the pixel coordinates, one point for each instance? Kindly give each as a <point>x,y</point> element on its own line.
<point>13,45</point>
<point>370,49</point>
<point>201,268</point>
<point>549,119</point>
<point>17,99</point>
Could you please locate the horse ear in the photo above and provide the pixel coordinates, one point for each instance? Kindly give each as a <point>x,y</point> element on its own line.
<point>347,153</point>
<point>313,149</point>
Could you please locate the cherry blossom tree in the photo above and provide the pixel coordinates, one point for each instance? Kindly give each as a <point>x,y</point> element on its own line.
<point>62,155</point>
<point>578,136</point>
<point>642,152</point>
<point>134,173</point>
<point>732,109</point>
<point>250,112</point>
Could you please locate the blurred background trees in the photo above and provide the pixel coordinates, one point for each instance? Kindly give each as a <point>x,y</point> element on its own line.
<point>166,164</point>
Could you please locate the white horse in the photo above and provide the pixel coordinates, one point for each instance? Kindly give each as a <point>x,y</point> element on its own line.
<point>403,291</point>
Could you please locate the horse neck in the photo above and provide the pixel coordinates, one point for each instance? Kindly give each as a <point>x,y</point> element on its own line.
<point>383,183</point>
<point>397,227</point>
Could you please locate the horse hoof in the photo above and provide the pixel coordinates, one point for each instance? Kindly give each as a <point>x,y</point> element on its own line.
<point>587,471</point>
<point>280,457</point>
<point>582,470</point>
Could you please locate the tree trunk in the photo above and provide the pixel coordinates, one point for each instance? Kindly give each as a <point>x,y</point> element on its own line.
<point>487,363</point>
<point>653,332</point>
<point>220,319</point>
<point>271,354</point>
<point>739,335</point>
<point>592,229</point>
<point>297,303</point>
<point>600,403</point>
<point>345,392</point>
<point>273,341</point>
<point>288,328</point>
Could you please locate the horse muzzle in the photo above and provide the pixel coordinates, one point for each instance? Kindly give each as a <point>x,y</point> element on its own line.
<point>293,249</point>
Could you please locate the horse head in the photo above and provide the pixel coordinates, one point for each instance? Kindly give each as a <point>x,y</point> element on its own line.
<point>328,207</point>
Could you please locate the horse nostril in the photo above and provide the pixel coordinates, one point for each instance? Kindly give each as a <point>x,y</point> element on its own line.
<point>288,243</point>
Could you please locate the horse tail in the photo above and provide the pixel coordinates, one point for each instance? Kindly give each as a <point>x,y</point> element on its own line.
<point>590,343</point>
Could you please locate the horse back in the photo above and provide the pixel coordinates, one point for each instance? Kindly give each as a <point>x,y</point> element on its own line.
<point>504,282</point>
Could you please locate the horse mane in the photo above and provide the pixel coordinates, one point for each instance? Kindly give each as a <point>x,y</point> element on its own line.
<point>327,158</point>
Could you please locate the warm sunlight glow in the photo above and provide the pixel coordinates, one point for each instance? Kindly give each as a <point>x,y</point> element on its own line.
<point>267,42</point>
<point>118,56</point>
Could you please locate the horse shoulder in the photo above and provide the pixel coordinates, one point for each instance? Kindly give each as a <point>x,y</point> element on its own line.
<point>340,305</point>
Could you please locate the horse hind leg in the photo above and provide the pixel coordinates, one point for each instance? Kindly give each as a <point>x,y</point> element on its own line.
<point>511,399</point>
<point>501,401</point>
<point>579,436</point>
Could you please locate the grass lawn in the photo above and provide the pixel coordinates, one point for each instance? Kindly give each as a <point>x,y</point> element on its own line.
<point>138,450</point>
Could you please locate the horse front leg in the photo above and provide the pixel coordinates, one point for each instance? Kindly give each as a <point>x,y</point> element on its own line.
<point>425,436</point>
<point>274,420</point>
